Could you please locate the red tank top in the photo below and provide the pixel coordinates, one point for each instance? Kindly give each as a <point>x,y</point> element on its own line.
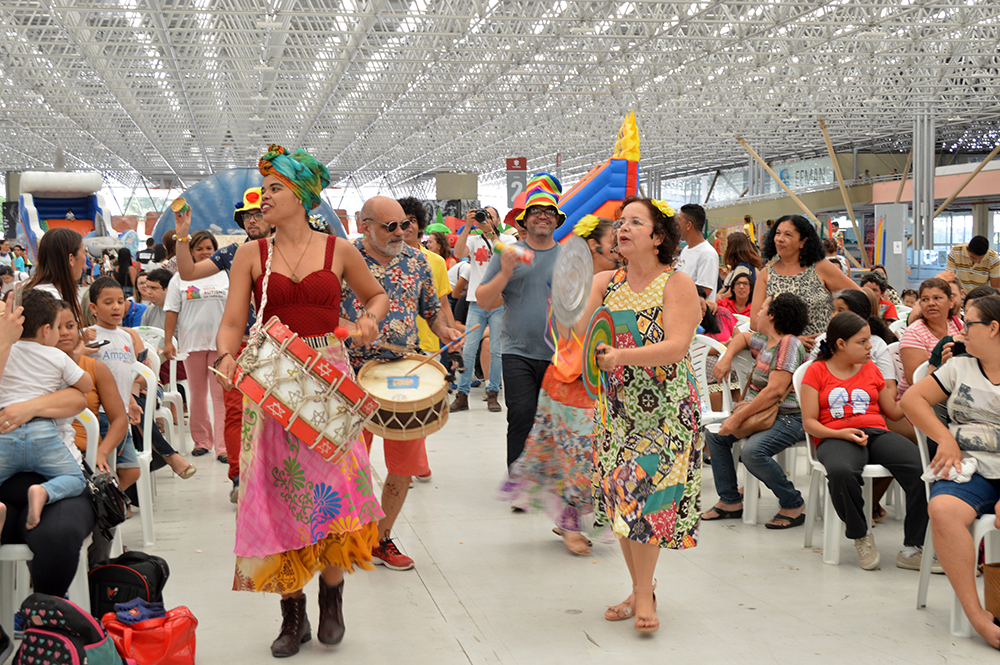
<point>310,307</point>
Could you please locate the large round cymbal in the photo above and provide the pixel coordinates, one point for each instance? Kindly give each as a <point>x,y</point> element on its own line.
<point>572,278</point>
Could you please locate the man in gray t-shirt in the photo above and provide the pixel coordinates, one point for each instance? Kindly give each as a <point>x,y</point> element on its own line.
<point>525,293</point>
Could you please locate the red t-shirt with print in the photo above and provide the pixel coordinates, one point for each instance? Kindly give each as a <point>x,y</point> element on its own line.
<point>845,403</point>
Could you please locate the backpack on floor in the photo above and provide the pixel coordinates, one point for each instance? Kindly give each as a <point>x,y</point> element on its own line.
<point>59,633</point>
<point>132,575</point>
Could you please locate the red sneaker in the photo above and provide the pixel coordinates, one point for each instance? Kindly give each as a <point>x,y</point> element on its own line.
<point>387,554</point>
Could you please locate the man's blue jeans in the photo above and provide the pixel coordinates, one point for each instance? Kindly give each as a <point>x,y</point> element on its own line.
<point>758,456</point>
<point>493,319</point>
<point>36,446</point>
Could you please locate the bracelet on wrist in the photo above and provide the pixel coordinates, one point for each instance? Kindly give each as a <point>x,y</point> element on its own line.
<point>182,238</point>
<point>365,314</point>
<point>215,365</point>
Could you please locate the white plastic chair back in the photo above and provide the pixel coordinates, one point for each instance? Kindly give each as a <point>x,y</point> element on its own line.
<point>92,429</point>
<point>897,327</point>
<point>903,311</point>
<point>797,379</point>
<point>700,348</point>
<point>151,337</point>
<point>743,364</point>
<point>742,322</point>
<point>144,485</point>
<point>897,360</point>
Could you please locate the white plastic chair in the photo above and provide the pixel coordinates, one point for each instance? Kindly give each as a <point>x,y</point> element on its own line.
<point>742,322</point>
<point>179,435</point>
<point>173,395</point>
<point>897,327</point>
<point>833,527</point>
<point>700,348</point>
<point>903,311</point>
<point>15,582</point>
<point>144,486</point>
<point>981,528</point>
<point>897,360</point>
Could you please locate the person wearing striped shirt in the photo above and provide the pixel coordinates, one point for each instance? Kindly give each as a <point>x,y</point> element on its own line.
<point>975,264</point>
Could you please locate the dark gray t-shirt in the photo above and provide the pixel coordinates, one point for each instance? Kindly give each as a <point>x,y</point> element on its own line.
<point>526,304</point>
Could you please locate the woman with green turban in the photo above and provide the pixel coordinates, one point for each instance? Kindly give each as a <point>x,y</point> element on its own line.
<point>299,514</point>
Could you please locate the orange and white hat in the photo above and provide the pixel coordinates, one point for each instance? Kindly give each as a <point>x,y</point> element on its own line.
<point>251,201</point>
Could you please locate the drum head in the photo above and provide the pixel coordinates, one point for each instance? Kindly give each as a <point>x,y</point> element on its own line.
<point>572,277</point>
<point>389,381</point>
<point>601,330</point>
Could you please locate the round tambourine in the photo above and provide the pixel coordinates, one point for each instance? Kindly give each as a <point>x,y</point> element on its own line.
<point>572,277</point>
<point>600,330</point>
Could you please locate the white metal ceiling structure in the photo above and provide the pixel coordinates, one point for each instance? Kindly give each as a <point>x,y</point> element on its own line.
<point>394,90</point>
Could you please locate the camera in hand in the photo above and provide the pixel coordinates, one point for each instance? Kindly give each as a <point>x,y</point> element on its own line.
<point>481,215</point>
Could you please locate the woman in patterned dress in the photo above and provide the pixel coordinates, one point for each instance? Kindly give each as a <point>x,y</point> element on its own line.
<point>799,267</point>
<point>299,514</point>
<point>555,471</point>
<point>647,453</point>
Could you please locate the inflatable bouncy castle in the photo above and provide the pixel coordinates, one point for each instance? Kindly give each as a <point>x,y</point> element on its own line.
<point>50,199</point>
<point>602,190</point>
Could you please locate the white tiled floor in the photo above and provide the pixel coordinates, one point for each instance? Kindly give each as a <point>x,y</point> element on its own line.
<point>491,586</point>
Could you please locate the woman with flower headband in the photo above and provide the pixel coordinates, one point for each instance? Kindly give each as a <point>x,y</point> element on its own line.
<point>299,514</point>
<point>647,452</point>
<point>555,471</point>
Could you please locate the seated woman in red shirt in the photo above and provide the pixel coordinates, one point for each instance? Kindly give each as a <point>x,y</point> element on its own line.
<point>843,400</point>
<point>739,302</point>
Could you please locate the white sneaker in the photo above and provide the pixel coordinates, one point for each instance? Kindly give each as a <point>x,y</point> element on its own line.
<point>868,556</point>
<point>913,562</point>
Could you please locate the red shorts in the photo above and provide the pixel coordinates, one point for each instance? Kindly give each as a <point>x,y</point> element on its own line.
<point>403,458</point>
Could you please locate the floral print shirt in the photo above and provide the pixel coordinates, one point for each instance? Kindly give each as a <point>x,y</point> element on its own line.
<point>408,282</point>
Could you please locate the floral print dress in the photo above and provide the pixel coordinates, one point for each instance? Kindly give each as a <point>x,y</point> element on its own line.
<point>647,457</point>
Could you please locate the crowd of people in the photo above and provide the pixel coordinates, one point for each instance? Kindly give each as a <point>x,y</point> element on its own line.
<point>627,463</point>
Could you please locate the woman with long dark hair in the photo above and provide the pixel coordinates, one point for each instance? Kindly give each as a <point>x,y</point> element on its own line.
<point>125,272</point>
<point>741,258</point>
<point>796,265</point>
<point>61,261</point>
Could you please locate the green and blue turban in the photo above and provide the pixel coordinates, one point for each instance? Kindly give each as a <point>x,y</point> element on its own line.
<point>299,171</point>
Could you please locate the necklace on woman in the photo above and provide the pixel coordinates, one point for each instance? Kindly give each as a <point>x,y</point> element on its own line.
<point>295,279</point>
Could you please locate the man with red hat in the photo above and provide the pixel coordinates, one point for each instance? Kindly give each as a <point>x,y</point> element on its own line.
<point>249,218</point>
<point>524,291</point>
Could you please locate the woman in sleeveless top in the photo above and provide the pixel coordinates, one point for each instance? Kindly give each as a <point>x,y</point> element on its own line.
<point>799,268</point>
<point>299,514</point>
<point>647,453</point>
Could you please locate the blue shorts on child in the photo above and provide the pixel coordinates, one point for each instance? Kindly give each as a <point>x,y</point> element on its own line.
<point>37,446</point>
<point>127,457</point>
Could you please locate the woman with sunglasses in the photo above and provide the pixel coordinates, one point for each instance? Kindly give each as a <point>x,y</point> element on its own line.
<point>647,481</point>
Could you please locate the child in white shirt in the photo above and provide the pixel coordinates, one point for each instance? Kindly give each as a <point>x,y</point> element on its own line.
<point>36,368</point>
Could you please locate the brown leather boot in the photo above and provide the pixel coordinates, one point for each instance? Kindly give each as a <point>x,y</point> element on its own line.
<point>331,613</point>
<point>461,403</point>
<point>492,403</point>
<point>294,628</point>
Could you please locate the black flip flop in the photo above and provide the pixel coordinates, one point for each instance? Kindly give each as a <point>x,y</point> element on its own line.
<point>789,522</point>
<point>723,514</point>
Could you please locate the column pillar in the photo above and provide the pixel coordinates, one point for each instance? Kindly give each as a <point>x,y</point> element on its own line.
<point>981,219</point>
<point>923,181</point>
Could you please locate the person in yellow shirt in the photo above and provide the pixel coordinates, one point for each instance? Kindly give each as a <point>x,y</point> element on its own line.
<point>417,214</point>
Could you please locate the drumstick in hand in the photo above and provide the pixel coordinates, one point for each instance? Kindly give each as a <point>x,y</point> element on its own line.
<point>440,351</point>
